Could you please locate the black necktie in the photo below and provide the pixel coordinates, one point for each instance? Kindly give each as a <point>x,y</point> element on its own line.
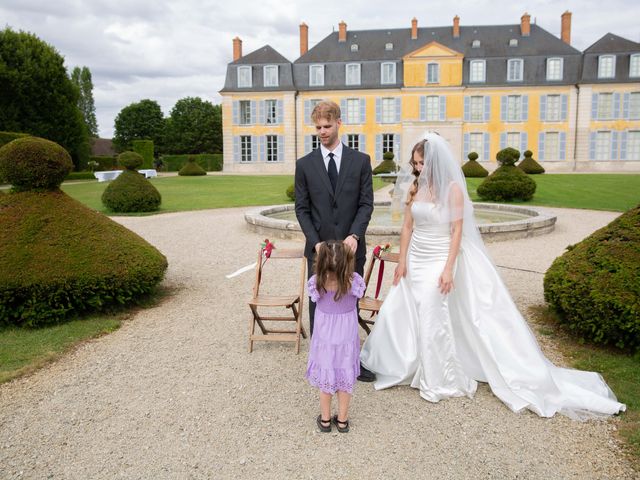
<point>333,171</point>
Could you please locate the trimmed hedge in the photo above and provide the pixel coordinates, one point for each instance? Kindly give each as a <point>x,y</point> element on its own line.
<point>144,148</point>
<point>386,166</point>
<point>505,184</point>
<point>105,162</point>
<point>191,169</point>
<point>529,165</point>
<point>131,192</point>
<point>595,285</point>
<point>291,192</point>
<point>32,163</point>
<point>472,169</point>
<point>58,259</point>
<point>210,162</point>
<point>6,137</point>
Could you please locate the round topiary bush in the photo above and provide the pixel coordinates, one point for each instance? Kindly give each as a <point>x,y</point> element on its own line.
<point>387,165</point>
<point>131,192</point>
<point>472,169</point>
<point>507,182</point>
<point>291,192</point>
<point>191,168</point>
<point>130,160</point>
<point>529,165</point>
<point>508,156</point>
<point>33,163</point>
<point>595,285</point>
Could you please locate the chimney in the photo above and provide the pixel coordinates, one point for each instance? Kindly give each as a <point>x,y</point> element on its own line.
<point>456,27</point>
<point>525,25</point>
<point>414,28</point>
<point>342,33</point>
<point>304,38</point>
<point>237,48</point>
<point>565,34</point>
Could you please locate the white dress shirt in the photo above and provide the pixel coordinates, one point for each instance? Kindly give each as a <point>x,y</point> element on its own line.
<point>337,156</point>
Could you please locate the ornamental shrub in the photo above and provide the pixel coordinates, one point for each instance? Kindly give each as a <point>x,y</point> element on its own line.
<point>595,285</point>
<point>192,168</point>
<point>144,148</point>
<point>508,156</point>
<point>291,192</point>
<point>387,165</point>
<point>130,160</point>
<point>472,168</point>
<point>32,163</point>
<point>210,162</point>
<point>507,182</point>
<point>529,165</point>
<point>6,137</point>
<point>131,192</point>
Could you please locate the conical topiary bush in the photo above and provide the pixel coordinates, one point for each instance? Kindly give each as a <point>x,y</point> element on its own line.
<point>387,165</point>
<point>472,169</point>
<point>507,182</point>
<point>529,165</point>
<point>58,258</point>
<point>131,191</point>
<point>191,168</point>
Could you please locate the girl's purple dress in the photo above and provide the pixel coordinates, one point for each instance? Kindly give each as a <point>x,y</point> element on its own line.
<point>334,355</point>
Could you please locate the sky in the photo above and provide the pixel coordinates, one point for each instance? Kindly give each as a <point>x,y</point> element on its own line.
<point>168,50</point>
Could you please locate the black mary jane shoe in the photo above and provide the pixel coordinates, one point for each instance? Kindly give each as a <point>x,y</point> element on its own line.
<point>323,428</point>
<point>345,424</point>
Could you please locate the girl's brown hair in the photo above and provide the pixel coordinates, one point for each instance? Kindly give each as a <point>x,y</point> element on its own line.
<point>336,260</point>
<point>419,149</point>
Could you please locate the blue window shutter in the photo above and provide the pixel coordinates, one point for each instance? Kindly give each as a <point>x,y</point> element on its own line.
<point>503,108</point>
<point>625,106</point>
<point>396,145</point>
<point>466,145</point>
<point>623,145</point>
<point>487,108</point>
<point>378,147</point>
<point>487,147</point>
<point>262,113</point>
<point>345,113</point>
<point>236,112</point>
<point>307,112</point>
<point>503,140</point>
<point>467,108</point>
<point>423,108</point>
<point>592,144</point>
<point>253,112</point>
<point>236,149</point>
<point>443,108</point>
<point>398,109</point>
<point>616,106</point>
<point>541,136</point>
<point>362,146</point>
<point>594,107</point>
<point>254,147</point>
<point>263,148</point>
<point>563,145</point>
<point>280,109</point>
<point>281,148</point>
<point>523,143</point>
<point>378,110</point>
<point>565,107</point>
<point>543,108</point>
<point>363,110</point>
<point>307,144</point>
<point>525,108</point>
<point>614,145</point>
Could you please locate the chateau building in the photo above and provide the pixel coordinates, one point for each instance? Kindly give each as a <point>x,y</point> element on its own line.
<point>481,87</point>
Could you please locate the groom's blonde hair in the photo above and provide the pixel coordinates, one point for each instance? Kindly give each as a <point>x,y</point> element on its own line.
<point>327,110</point>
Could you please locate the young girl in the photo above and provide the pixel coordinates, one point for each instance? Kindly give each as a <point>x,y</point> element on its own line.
<point>334,363</point>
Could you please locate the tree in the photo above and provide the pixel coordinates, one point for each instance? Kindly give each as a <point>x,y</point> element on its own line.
<point>139,121</point>
<point>81,77</point>
<point>194,126</point>
<point>37,96</point>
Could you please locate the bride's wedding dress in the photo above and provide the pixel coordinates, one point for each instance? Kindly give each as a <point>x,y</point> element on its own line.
<point>444,344</point>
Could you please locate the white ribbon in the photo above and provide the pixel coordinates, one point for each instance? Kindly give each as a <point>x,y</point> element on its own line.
<point>242,270</point>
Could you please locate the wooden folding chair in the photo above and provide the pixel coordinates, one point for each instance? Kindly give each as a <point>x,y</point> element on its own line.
<point>370,304</point>
<point>293,301</point>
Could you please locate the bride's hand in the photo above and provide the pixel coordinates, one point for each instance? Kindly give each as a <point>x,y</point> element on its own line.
<point>401,271</point>
<point>445,282</point>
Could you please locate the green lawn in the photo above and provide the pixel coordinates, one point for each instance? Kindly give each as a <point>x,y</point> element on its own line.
<point>605,191</point>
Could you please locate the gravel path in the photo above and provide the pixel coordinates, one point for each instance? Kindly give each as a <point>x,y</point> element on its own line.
<point>174,393</point>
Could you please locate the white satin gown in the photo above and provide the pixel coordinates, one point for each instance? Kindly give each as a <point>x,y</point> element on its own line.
<point>444,344</point>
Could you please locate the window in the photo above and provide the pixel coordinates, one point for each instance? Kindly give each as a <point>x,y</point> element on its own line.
<point>433,73</point>
<point>514,108</point>
<point>316,75</point>
<point>634,105</point>
<point>353,141</point>
<point>513,42</point>
<point>433,108</point>
<point>353,74</point>
<point>603,145</point>
<point>477,71</point>
<point>633,145</point>
<point>245,148</point>
<point>554,68</point>
<point>388,73</point>
<point>552,146</point>
<point>315,142</point>
<point>476,144</point>
<point>605,106</point>
<point>477,109</point>
<point>513,140</point>
<point>270,75</point>
<point>475,44</point>
<point>634,65</point>
<point>553,108</point>
<point>354,47</point>
<point>271,111</point>
<point>388,110</point>
<point>245,112</point>
<point>353,111</point>
<point>244,77</point>
<point>514,70</point>
<point>388,46</point>
<point>606,66</point>
<point>387,142</point>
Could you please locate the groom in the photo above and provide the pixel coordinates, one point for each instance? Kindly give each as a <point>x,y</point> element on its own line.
<point>334,195</point>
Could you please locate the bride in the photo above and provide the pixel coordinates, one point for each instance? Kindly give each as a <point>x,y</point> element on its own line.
<point>449,321</point>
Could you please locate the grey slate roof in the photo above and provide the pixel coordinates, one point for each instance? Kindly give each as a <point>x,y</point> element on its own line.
<point>266,55</point>
<point>609,44</point>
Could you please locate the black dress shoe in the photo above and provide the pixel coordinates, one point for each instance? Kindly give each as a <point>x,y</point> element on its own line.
<point>366,375</point>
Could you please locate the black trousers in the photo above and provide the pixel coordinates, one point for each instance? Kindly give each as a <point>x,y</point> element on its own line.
<point>312,305</point>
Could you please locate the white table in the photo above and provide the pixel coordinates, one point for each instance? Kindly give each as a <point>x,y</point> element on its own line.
<point>149,173</point>
<point>111,174</point>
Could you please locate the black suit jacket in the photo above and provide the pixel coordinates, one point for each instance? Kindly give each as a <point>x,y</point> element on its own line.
<point>324,215</point>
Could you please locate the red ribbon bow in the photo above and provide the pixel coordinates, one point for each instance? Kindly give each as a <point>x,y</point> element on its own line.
<point>376,253</point>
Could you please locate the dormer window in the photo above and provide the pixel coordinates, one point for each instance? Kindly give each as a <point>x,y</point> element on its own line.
<point>515,67</point>
<point>316,75</point>
<point>354,47</point>
<point>513,42</point>
<point>606,66</point>
<point>270,75</point>
<point>244,77</point>
<point>554,68</point>
<point>388,73</point>
<point>475,44</point>
<point>388,46</point>
<point>634,65</point>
